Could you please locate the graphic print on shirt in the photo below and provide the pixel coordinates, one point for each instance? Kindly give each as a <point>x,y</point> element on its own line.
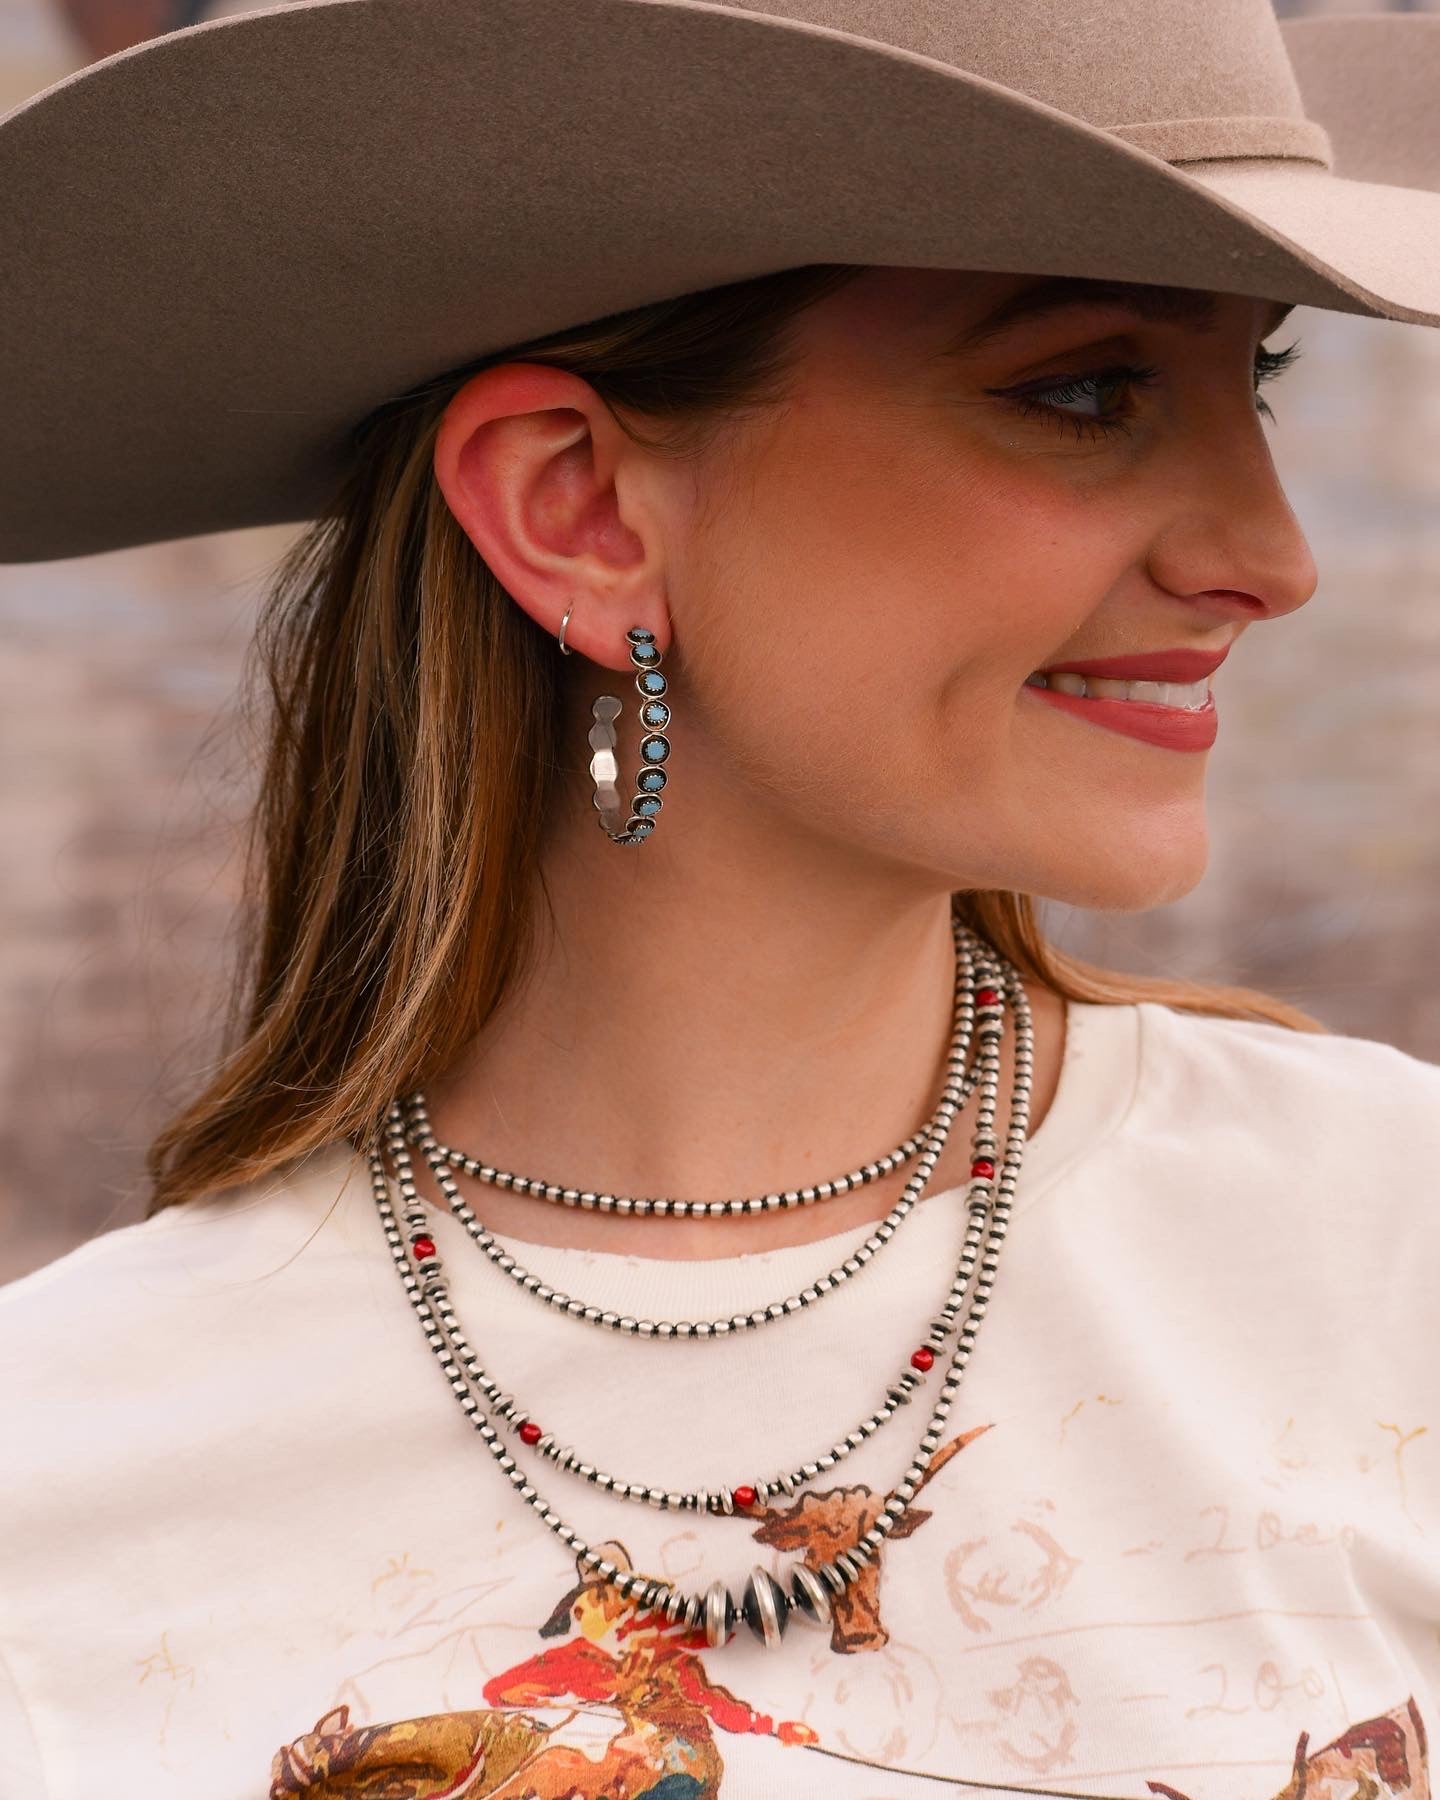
<point>647,1674</point>
<point>1382,1759</point>
<point>644,1673</point>
<point>641,1719</point>
<point>500,1756</point>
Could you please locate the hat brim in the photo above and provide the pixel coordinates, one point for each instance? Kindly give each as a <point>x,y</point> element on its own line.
<point>226,246</point>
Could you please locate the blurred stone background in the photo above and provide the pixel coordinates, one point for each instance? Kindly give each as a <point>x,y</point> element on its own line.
<point>124,780</point>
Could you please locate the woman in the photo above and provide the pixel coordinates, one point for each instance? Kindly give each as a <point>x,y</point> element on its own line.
<point>908,577</point>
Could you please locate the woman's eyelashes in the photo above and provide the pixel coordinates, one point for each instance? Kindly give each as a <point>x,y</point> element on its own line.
<point>1048,400</point>
<point>1269,364</point>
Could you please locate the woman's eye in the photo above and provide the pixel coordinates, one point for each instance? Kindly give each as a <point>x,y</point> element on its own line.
<point>1097,389</point>
<point>1106,396</point>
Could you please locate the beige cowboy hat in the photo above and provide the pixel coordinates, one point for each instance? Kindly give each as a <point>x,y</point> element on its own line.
<point>224,247</point>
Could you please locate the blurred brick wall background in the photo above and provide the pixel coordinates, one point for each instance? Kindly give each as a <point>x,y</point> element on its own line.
<point>124,782</point>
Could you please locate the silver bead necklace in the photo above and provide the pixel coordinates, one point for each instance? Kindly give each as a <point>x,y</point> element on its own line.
<point>956,1091</point>
<point>790,1198</point>
<point>766,1605</point>
<point>745,1496</point>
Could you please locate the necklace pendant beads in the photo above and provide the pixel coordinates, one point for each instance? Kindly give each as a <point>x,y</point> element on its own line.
<point>765,1607</point>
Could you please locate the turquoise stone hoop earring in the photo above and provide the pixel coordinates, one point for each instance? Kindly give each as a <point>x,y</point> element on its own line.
<point>634,824</point>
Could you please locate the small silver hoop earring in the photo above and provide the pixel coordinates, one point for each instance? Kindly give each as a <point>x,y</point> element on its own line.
<point>634,824</point>
<point>563,623</point>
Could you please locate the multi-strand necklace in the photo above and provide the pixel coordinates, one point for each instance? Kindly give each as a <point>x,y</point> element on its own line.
<point>766,1604</point>
<point>958,1084</point>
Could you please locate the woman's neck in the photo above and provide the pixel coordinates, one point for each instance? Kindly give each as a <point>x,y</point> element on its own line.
<point>718,1049</point>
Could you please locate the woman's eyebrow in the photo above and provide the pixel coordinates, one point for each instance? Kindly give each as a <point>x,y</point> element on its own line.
<point>1196,308</point>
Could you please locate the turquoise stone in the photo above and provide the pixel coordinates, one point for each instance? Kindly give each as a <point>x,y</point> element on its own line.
<point>638,635</point>
<point>655,749</point>
<point>651,682</point>
<point>656,714</point>
<point>647,804</point>
<point>652,780</point>
<point>642,828</point>
<point>643,655</point>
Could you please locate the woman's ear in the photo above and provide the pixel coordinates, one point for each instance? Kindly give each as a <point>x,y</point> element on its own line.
<point>546,485</point>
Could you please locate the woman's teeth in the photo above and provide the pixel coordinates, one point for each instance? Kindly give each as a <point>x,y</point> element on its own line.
<point>1191,696</point>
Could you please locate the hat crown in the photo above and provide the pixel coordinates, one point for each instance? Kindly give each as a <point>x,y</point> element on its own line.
<point>1185,81</point>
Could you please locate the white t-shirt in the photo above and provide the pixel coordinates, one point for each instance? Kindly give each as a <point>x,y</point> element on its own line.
<point>1189,1543</point>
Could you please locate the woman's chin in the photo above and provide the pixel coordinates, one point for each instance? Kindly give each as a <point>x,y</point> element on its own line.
<point>1139,876</point>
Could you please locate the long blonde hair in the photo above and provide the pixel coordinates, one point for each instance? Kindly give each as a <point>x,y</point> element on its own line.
<point>392,857</point>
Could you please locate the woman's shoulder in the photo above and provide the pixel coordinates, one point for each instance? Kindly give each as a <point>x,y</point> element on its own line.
<point>127,1289</point>
<point>1300,1088</point>
<point>1281,1050</point>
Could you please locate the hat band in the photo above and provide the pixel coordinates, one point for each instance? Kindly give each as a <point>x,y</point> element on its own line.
<point>1209,140</point>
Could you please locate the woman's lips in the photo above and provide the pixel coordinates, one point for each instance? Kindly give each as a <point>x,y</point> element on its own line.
<point>1171,727</point>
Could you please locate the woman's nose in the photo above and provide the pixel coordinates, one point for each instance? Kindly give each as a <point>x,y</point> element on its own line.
<point>1233,540</point>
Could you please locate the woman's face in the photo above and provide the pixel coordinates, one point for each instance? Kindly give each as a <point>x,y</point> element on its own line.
<point>867,576</point>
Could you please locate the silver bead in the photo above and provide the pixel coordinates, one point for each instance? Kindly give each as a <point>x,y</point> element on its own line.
<point>765,1608</point>
<point>832,1578</point>
<point>812,1602</point>
<point>720,1614</point>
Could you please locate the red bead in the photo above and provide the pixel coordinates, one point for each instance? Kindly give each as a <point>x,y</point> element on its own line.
<point>423,1246</point>
<point>923,1360</point>
<point>530,1432</point>
<point>745,1498</point>
<point>983,1167</point>
<point>987,997</point>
